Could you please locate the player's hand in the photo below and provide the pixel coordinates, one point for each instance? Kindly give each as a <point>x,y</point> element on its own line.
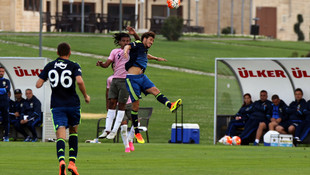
<point>87,99</point>
<point>160,59</point>
<point>126,55</point>
<point>99,63</point>
<point>131,30</point>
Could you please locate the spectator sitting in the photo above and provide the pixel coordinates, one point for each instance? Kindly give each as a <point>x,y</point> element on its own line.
<point>240,118</point>
<point>260,112</point>
<point>15,113</point>
<point>32,113</point>
<point>278,112</point>
<point>303,129</point>
<point>294,114</point>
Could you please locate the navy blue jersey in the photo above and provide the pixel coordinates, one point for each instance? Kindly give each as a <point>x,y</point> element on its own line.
<point>261,110</point>
<point>244,112</point>
<point>138,55</point>
<point>32,108</point>
<point>61,74</point>
<point>18,105</point>
<point>12,107</point>
<point>295,110</point>
<point>5,87</point>
<point>279,111</point>
<point>306,111</point>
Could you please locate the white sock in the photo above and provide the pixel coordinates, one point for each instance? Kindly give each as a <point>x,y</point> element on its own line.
<point>124,135</point>
<point>257,140</point>
<point>131,134</point>
<point>109,119</point>
<point>118,120</point>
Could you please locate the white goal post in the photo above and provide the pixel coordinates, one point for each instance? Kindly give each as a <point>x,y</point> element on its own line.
<point>237,76</point>
<point>23,74</point>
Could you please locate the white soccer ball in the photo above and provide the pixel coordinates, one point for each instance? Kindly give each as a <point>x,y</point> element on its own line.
<point>236,140</point>
<point>227,140</point>
<point>173,4</point>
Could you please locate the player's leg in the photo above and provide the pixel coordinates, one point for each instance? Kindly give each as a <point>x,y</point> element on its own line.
<point>60,122</point>
<point>124,135</point>
<point>6,122</point>
<point>261,127</point>
<point>135,121</point>
<point>291,129</point>
<point>110,118</point>
<point>272,125</point>
<point>280,129</point>
<point>74,117</point>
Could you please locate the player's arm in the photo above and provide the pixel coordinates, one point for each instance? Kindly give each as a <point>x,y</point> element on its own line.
<point>151,57</point>
<point>80,82</point>
<point>126,49</point>
<point>40,83</point>
<point>132,31</point>
<point>105,64</point>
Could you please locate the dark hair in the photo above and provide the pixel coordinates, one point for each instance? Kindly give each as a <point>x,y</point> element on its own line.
<point>1,67</point>
<point>263,91</point>
<point>275,96</point>
<point>118,36</point>
<point>298,89</point>
<point>247,94</point>
<point>147,35</point>
<point>63,49</point>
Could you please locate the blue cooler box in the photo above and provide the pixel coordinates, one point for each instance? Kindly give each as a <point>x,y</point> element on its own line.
<point>191,133</point>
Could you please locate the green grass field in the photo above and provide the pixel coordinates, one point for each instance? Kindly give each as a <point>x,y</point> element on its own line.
<point>154,159</point>
<point>197,92</point>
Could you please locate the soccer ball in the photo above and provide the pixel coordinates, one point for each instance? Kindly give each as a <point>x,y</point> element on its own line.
<point>227,140</point>
<point>173,4</point>
<point>236,140</point>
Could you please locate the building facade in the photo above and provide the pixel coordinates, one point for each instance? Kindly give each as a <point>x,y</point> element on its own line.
<point>276,18</point>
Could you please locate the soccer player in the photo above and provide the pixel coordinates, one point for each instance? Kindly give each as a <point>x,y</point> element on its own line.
<point>32,110</point>
<point>118,94</point>
<point>65,103</point>
<point>137,81</point>
<point>240,118</point>
<point>278,112</point>
<point>5,87</point>
<point>260,112</point>
<point>295,114</point>
<point>303,129</point>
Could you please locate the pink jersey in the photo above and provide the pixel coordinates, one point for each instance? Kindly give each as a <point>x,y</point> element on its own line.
<point>117,56</point>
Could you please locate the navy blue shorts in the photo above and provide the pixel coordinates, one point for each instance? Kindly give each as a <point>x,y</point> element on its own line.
<point>66,116</point>
<point>136,84</point>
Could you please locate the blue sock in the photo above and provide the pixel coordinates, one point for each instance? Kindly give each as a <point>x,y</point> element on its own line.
<point>60,148</point>
<point>163,99</point>
<point>73,146</point>
<point>134,118</point>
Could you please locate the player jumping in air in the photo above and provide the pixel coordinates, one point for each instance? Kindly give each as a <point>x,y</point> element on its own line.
<point>65,103</point>
<point>137,81</point>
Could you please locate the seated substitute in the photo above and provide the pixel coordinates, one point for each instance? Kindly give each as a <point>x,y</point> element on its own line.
<point>260,112</point>
<point>295,114</point>
<point>32,114</point>
<point>302,130</point>
<point>278,112</point>
<point>240,118</point>
<point>15,113</point>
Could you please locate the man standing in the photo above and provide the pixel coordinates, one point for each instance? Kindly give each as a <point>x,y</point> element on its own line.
<point>65,103</point>
<point>4,103</point>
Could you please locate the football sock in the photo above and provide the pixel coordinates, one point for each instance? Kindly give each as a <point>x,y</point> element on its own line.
<point>257,140</point>
<point>163,99</point>
<point>118,120</point>
<point>73,146</point>
<point>109,119</point>
<point>60,148</point>
<point>134,118</point>
<point>124,135</point>
<point>131,134</point>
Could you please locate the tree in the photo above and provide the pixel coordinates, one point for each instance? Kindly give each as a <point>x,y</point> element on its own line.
<point>172,28</point>
<point>300,34</point>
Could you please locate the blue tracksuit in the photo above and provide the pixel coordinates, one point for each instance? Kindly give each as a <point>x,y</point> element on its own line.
<point>260,112</point>
<point>295,114</point>
<point>5,87</point>
<point>32,108</point>
<point>17,106</point>
<point>234,124</point>
<point>303,129</point>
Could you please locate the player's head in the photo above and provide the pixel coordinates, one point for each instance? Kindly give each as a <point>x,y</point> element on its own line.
<point>275,100</point>
<point>263,95</point>
<point>121,39</point>
<point>247,99</point>
<point>64,50</point>
<point>298,94</point>
<point>18,94</point>
<point>148,39</point>
<point>2,71</point>
<point>29,94</point>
